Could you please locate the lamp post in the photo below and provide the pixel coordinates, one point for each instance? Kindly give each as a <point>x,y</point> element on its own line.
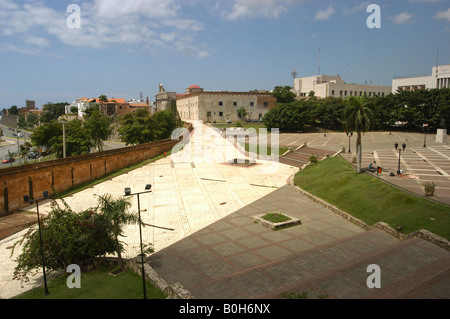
<point>27,200</point>
<point>128,193</point>
<point>349,134</point>
<point>399,155</point>
<point>425,128</point>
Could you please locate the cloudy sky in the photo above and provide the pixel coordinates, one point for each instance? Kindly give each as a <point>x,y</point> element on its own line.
<point>120,48</point>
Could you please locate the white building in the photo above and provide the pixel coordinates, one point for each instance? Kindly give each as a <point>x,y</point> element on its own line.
<point>82,104</point>
<point>439,79</point>
<point>333,86</point>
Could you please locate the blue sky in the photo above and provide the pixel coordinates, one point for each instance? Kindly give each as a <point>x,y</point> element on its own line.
<point>125,47</point>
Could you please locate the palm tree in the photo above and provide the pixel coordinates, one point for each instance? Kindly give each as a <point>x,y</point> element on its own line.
<point>358,117</point>
<point>116,211</point>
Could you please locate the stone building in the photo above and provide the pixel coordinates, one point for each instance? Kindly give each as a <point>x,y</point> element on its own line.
<point>222,106</point>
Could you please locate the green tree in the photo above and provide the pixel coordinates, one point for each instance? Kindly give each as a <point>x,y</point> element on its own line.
<point>52,111</point>
<point>32,120</point>
<point>99,128</point>
<point>140,127</point>
<point>78,140</point>
<point>44,135</point>
<point>13,110</point>
<point>358,118</point>
<point>68,237</point>
<point>283,94</point>
<point>116,212</point>
<point>241,112</point>
<point>288,117</point>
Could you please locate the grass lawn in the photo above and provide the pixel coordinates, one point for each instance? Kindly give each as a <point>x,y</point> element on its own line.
<point>371,200</point>
<point>244,125</point>
<point>97,285</point>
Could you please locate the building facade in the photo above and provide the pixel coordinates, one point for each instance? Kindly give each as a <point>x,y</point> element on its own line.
<point>222,106</point>
<point>325,86</point>
<point>112,107</point>
<point>439,79</point>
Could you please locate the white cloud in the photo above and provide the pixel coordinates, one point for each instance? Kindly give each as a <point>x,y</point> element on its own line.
<point>325,14</point>
<point>443,15</point>
<point>138,24</point>
<point>242,9</point>
<point>402,17</point>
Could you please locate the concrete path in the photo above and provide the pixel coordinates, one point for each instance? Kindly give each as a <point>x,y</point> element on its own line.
<point>188,193</point>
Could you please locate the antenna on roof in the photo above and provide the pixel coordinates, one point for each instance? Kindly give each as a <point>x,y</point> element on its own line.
<point>320,49</point>
<point>437,61</point>
<point>141,99</point>
<point>294,74</point>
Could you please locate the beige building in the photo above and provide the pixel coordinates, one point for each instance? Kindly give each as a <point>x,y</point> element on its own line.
<point>333,86</point>
<point>439,79</point>
<point>221,106</point>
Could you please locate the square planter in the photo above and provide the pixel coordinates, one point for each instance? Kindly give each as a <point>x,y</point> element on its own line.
<point>289,222</point>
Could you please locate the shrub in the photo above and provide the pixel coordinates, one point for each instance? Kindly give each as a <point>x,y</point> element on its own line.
<point>73,238</point>
<point>313,159</point>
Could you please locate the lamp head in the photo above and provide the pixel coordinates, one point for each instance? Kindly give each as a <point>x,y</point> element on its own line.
<point>396,145</point>
<point>45,194</point>
<point>404,146</point>
<point>127,191</point>
<point>148,187</point>
<point>26,198</point>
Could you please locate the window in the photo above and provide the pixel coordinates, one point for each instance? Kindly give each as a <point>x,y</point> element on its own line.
<point>341,93</point>
<point>220,103</point>
<point>260,115</point>
<point>345,93</point>
<point>252,103</point>
<point>234,103</point>
<point>266,104</point>
<point>208,113</point>
<point>332,92</point>
<point>220,113</point>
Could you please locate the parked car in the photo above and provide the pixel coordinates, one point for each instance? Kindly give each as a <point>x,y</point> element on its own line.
<point>229,121</point>
<point>9,160</point>
<point>20,135</point>
<point>33,155</point>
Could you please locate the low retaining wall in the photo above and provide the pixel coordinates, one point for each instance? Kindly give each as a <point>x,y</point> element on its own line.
<point>175,291</point>
<point>63,174</point>
<point>422,233</point>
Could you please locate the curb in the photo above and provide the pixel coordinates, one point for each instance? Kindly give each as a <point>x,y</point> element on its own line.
<point>174,291</point>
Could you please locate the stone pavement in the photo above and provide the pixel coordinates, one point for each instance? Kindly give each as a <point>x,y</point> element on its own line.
<point>188,194</point>
<point>326,255</point>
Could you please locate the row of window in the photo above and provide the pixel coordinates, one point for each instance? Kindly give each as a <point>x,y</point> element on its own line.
<point>236,103</point>
<point>208,114</point>
<point>355,93</point>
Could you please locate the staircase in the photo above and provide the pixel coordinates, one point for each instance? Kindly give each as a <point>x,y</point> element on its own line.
<point>301,156</point>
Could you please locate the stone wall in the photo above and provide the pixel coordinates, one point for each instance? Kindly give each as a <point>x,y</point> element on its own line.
<point>63,174</point>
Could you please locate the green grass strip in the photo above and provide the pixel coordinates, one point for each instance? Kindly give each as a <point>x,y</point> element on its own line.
<point>97,285</point>
<point>371,200</point>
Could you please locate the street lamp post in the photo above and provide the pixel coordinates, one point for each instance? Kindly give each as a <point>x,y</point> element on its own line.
<point>128,193</point>
<point>27,200</point>
<point>399,155</point>
<point>425,128</point>
<point>349,134</point>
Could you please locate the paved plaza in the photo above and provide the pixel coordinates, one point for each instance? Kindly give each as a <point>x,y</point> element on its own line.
<point>419,164</point>
<point>215,250</point>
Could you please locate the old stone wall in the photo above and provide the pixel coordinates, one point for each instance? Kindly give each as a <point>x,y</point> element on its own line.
<point>63,174</point>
